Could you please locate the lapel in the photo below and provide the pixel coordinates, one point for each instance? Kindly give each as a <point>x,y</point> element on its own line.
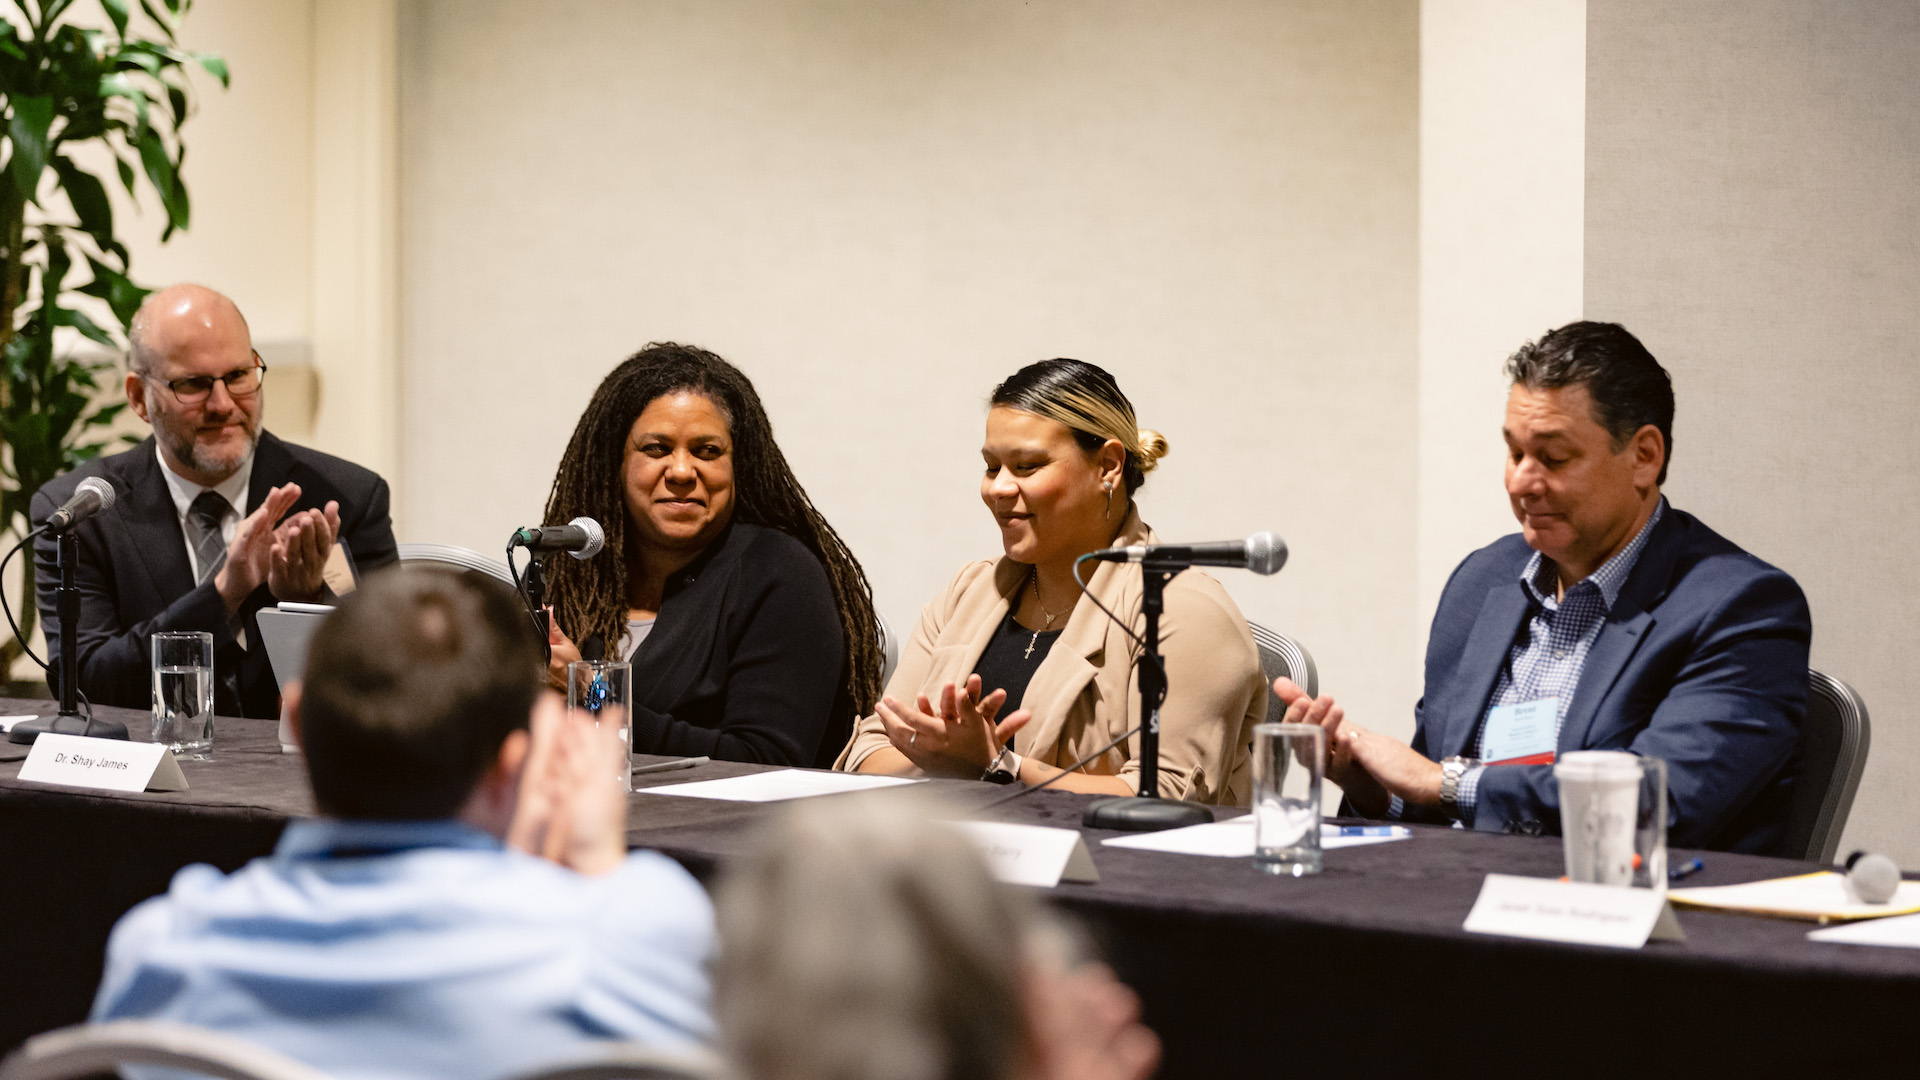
<point>1485,654</point>
<point>1626,627</point>
<point>1079,653</point>
<point>152,523</point>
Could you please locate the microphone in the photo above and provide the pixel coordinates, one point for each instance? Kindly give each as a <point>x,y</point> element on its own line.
<point>92,496</point>
<point>1873,878</point>
<point>1262,553</point>
<point>581,538</point>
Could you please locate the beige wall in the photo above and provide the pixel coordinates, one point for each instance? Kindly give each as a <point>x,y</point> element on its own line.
<point>1753,212</point>
<point>878,210</point>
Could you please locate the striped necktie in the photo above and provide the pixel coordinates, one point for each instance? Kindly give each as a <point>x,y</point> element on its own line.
<point>204,518</point>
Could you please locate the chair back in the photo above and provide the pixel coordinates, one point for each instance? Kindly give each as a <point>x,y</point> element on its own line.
<point>1281,656</point>
<point>1833,754</point>
<point>629,1061</point>
<point>454,557</point>
<point>889,650</point>
<point>87,1050</point>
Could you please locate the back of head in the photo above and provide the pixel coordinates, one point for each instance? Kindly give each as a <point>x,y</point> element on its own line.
<point>1628,386</point>
<point>1086,399</point>
<point>412,685</point>
<point>865,943</point>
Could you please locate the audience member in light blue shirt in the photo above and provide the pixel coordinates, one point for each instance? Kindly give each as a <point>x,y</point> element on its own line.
<point>466,908</point>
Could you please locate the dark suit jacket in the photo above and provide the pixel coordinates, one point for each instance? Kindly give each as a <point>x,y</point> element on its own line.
<point>746,661</point>
<point>135,577</point>
<point>1702,662</point>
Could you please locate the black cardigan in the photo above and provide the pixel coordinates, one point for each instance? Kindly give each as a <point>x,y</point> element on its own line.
<point>746,661</point>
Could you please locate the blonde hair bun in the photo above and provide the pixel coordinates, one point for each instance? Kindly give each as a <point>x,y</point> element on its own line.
<point>1153,447</point>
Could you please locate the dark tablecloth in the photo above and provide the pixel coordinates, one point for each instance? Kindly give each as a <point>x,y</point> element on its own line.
<point>1364,968</point>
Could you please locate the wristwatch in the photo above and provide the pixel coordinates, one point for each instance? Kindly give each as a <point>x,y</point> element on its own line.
<point>1004,769</point>
<point>1451,770</point>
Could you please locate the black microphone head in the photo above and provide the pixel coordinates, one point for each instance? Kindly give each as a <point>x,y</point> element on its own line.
<point>596,537</point>
<point>101,490</point>
<point>1266,553</point>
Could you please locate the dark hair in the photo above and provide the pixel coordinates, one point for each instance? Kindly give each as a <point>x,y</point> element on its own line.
<point>1629,387</point>
<point>1087,400</point>
<point>590,597</point>
<point>413,683</point>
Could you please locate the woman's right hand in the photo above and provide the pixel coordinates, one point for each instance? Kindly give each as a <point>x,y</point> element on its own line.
<point>562,652</point>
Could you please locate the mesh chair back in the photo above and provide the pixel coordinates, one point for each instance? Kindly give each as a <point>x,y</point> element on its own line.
<point>889,650</point>
<point>1281,656</point>
<point>1833,754</point>
<point>98,1049</point>
<point>454,557</point>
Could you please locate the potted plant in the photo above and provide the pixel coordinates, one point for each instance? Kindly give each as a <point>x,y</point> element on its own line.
<point>72,92</point>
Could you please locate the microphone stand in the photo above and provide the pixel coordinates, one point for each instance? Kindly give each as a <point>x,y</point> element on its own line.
<point>1147,811</point>
<point>69,721</point>
<point>536,583</point>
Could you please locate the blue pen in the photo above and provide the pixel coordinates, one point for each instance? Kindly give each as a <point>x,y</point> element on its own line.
<point>1686,869</point>
<point>1375,830</point>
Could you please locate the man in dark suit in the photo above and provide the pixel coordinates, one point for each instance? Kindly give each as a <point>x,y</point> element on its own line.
<point>1612,621</point>
<point>215,518</point>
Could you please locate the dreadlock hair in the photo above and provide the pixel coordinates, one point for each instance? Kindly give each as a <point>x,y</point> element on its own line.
<point>591,595</point>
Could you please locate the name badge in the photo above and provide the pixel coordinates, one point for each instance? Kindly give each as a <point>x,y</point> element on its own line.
<point>1522,734</point>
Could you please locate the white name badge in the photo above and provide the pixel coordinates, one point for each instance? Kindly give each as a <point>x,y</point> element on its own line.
<point>1523,734</point>
<point>1031,854</point>
<point>102,764</point>
<point>1548,910</point>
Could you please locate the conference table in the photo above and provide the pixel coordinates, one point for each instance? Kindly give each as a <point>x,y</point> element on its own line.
<point>1362,969</point>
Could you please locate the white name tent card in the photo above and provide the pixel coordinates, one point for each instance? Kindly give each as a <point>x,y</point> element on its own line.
<point>102,764</point>
<point>1031,854</point>
<point>1233,838</point>
<point>1546,909</point>
<point>777,786</point>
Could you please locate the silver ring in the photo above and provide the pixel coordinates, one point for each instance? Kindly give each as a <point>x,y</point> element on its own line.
<point>912,738</point>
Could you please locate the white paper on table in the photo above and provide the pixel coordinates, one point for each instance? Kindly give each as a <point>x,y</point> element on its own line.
<point>777,786</point>
<point>7,722</point>
<point>1900,931</point>
<point>1822,895</point>
<point>1231,839</point>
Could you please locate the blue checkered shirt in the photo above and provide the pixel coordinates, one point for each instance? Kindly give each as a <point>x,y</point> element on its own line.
<point>1546,661</point>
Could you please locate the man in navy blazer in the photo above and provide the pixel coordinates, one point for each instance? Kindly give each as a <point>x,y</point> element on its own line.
<point>1612,621</point>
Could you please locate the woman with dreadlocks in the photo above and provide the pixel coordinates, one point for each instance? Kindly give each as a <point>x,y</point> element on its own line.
<point>749,624</point>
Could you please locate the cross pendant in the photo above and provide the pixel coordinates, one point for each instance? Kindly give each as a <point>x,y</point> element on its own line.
<point>1030,644</point>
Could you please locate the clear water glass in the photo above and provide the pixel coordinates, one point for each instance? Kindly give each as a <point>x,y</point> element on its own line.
<point>1613,818</point>
<point>605,688</point>
<point>183,692</point>
<point>1288,763</point>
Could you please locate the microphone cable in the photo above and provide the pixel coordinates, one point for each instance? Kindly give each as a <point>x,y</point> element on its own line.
<point>21,638</point>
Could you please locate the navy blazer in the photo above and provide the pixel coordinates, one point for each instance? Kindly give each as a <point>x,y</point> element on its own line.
<point>135,578</point>
<point>1702,663</point>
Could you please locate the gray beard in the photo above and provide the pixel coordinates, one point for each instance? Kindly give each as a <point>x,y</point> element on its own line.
<point>200,461</point>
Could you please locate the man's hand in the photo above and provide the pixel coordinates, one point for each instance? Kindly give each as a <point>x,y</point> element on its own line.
<point>250,552</point>
<point>297,566</point>
<point>1363,787</point>
<point>1397,767</point>
<point>572,808</point>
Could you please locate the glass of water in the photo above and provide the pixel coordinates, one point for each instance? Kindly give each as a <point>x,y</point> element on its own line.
<point>605,687</point>
<point>183,693</point>
<point>1288,760</point>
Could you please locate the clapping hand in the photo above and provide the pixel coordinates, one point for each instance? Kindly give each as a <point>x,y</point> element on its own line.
<point>298,559</point>
<point>249,559</point>
<point>959,739</point>
<point>1368,766</point>
<point>572,809</point>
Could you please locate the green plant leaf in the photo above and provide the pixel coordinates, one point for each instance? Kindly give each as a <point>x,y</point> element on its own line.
<point>32,116</point>
<point>126,173</point>
<point>89,198</point>
<point>87,327</point>
<point>162,21</point>
<point>118,290</point>
<point>216,67</point>
<point>162,175</point>
<point>117,11</point>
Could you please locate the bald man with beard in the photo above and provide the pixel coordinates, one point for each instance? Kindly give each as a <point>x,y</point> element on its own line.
<point>215,518</point>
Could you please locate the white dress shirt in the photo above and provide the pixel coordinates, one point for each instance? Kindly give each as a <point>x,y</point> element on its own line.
<point>184,491</point>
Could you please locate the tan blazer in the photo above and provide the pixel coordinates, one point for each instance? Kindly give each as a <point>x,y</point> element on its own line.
<point>1085,692</point>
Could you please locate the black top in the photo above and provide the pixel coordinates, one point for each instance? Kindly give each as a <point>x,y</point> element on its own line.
<point>746,661</point>
<point>135,579</point>
<point>1005,664</point>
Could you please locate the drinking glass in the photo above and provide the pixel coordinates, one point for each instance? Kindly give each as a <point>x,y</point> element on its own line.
<point>595,687</point>
<point>183,692</point>
<point>1613,817</point>
<point>1287,763</point>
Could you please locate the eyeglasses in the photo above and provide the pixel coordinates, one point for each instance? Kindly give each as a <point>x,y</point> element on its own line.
<point>241,382</point>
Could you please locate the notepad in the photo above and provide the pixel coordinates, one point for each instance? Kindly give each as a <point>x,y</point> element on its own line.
<point>1820,897</point>
<point>777,786</point>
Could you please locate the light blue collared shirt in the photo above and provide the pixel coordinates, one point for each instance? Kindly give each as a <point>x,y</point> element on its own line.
<point>383,950</point>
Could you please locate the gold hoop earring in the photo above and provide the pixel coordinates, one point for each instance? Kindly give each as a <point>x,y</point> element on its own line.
<point>1108,488</point>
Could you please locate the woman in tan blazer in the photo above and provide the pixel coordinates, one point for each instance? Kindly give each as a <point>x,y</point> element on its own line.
<point>1015,673</point>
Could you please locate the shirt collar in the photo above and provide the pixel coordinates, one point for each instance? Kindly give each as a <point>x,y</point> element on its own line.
<point>1538,576</point>
<point>313,838</point>
<point>184,491</point>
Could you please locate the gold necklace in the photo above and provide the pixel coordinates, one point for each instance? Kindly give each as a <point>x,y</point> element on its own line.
<point>1041,604</point>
